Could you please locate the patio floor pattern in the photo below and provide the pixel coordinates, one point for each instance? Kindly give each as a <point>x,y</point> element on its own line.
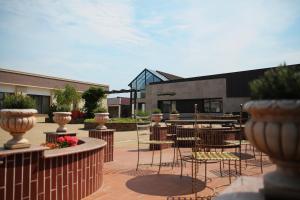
<point>122,181</point>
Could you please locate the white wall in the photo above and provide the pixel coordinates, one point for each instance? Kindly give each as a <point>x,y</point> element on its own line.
<point>7,88</point>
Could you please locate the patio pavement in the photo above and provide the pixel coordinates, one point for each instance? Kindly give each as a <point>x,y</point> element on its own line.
<point>122,181</point>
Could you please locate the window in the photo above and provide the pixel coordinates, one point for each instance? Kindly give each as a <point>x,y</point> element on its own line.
<point>42,103</point>
<point>213,105</point>
<point>165,106</point>
<point>188,105</point>
<point>1,99</point>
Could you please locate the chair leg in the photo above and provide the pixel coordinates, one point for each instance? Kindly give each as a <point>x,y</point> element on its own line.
<point>152,157</point>
<point>261,163</point>
<point>205,171</point>
<point>253,149</point>
<point>195,182</point>
<point>192,175</point>
<point>235,166</point>
<point>221,168</point>
<point>181,163</point>
<point>160,155</point>
<point>229,172</point>
<point>138,158</point>
<point>174,149</point>
<point>246,161</point>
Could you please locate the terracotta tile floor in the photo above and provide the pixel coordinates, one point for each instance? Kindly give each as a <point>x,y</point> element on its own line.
<point>122,181</point>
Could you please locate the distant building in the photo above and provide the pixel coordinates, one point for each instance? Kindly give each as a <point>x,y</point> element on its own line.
<point>39,87</point>
<point>143,79</point>
<point>119,107</point>
<point>220,93</point>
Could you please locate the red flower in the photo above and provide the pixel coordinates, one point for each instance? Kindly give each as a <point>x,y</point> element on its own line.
<point>72,141</point>
<point>60,139</point>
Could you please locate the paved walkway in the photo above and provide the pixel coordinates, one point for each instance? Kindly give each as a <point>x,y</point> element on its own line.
<point>122,181</point>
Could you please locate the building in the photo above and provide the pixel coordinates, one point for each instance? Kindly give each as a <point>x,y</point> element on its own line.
<point>39,87</point>
<point>220,93</point>
<point>119,107</point>
<point>143,79</point>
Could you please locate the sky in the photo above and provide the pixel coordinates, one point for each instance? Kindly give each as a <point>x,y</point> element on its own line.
<point>110,42</point>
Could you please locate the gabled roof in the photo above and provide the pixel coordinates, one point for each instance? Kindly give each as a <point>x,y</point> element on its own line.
<point>163,76</point>
<point>169,76</point>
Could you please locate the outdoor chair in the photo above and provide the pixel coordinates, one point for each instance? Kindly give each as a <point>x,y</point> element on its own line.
<point>207,141</point>
<point>143,131</point>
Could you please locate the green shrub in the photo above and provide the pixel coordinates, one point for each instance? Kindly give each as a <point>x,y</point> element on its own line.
<point>123,120</point>
<point>174,111</point>
<point>63,108</point>
<point>52,108</point>
<point>18,101</point>
<point>117,120</point>
<point>156,111</point>
<point>92,96</point>
<point>141,113</point>
<point>100,110</point>
<point>67,96</point>
<point>90,120</point>
<point>279,83</point>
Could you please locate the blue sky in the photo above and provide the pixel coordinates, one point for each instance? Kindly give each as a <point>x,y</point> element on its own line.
<point>112,41</point>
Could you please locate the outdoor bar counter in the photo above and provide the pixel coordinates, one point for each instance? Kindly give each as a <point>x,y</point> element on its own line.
<point>40,173</point>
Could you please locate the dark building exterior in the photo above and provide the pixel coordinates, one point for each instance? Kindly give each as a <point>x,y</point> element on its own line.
<point>220,93</point>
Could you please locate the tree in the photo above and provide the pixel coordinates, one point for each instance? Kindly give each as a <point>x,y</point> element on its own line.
<point>67,96</point>
<point>92,97</point>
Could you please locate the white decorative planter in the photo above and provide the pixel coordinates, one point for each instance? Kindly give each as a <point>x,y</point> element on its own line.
<point>274,128</point>
<point>101,119</point>
<point>62,118</point>
<point>17,122</point>
<point>157,118</point>
<point>174,116</point>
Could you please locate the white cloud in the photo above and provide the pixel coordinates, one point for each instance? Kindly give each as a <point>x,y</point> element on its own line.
<point>102,20</point>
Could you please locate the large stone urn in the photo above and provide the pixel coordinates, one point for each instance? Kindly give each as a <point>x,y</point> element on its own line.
<point>101,119</point>
<point>274,128</point>
<point>157,118</point>
<point>62,118</point>
<point>17,122</point>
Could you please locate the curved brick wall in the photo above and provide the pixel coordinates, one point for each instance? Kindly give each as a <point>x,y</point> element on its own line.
<point>70,173</point>
<point>116,126</point>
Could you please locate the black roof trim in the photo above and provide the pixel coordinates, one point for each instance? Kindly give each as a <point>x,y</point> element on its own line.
<point>215,76</point>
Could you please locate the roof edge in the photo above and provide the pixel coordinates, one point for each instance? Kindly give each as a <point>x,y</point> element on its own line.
<point>50,77</point>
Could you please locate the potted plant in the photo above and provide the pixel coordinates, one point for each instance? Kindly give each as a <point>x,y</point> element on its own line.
<point>62,116</point>
<point>101,117</point>
<point>17,117</point>
<point>156,116</point>
<point>174,115</point>
<point>274,128</point>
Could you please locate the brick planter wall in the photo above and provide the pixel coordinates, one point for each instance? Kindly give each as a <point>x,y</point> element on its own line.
<point>30,174</point>
<point>159,133</point>
<point>115,126</point>
<point>108,136</point>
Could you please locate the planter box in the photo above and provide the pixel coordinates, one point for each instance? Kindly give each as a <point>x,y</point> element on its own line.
<point>37,173</point>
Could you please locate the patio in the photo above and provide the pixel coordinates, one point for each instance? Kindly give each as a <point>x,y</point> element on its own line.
<point>122,181</point>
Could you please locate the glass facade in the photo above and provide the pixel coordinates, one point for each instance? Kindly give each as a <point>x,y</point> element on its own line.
<point>140,82</point>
